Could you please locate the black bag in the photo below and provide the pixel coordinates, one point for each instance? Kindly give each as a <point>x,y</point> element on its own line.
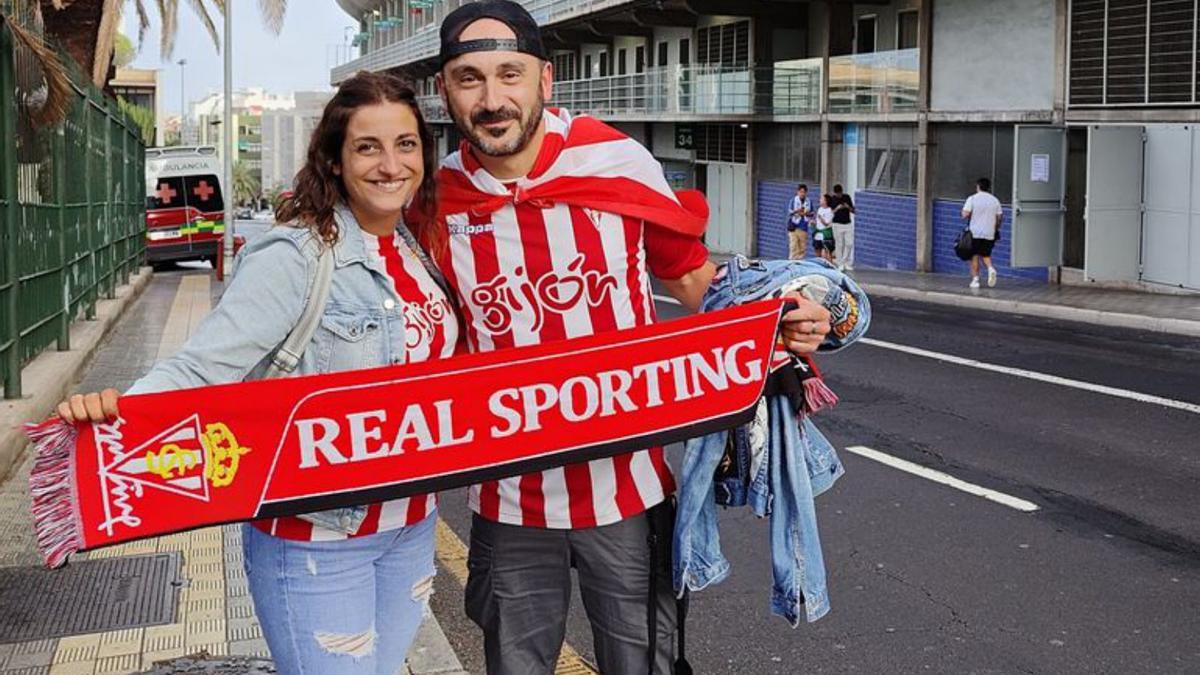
<point>964,248</point>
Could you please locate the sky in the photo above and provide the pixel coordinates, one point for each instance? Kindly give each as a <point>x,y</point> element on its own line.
<point>298,59</point>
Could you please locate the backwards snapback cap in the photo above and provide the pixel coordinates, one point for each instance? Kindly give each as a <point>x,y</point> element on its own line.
<point>528,37</point>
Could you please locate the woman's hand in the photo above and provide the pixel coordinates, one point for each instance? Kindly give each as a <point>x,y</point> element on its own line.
<point>804,329</point>
<point>94,407</point>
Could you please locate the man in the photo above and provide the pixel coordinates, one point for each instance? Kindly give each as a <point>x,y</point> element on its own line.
<point>984,212</point>
<point>542,246</point>
<point>843,228</point>
<point>798,216</point>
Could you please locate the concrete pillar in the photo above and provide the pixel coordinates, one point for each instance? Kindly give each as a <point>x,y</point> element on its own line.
<point>925,168</point>
<point>1060,60</point>
<point>826,168</point>
<point>924,159</point>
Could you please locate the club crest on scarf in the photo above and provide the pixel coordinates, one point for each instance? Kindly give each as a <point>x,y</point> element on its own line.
<point>182,460</point>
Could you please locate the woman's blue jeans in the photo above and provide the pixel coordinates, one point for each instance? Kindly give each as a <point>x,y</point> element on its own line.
<point>341,607</point>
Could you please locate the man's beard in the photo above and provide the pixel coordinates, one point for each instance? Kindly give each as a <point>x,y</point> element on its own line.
<point>478,136</point>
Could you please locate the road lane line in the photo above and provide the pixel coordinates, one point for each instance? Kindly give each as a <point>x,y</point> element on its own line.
<point>452,553</point>
<point>943,478</point>
<point>667,299</point>
<point>1040,377</point>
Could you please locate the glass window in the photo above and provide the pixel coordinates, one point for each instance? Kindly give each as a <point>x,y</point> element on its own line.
<point>965,153</point>
<point>204,193</point>
<point>889,163</point>
<point>906,30</point>
<point>864,40</point>
<point>788,152</point>
<point>168,194</point>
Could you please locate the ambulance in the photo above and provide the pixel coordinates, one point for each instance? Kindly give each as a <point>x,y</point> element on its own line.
<point>185,208</point>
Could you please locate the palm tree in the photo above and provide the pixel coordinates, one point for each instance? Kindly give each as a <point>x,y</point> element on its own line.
<point>245,184</point>
<point>30,20</point>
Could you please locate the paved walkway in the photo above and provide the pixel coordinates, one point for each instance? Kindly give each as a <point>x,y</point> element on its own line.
<point>215,614</point>
<point>1126,309</point>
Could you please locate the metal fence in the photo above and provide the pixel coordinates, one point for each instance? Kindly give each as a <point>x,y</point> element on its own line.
<point>73,211</point>
<point>673,92</point>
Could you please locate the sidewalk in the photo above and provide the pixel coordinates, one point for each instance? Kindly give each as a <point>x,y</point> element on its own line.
<point>1178,314</point>
<point>146,605</point>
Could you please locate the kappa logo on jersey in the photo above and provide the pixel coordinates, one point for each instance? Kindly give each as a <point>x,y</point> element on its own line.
<point>182,460</point>
<point>502,298</point>
<point>469,229</point>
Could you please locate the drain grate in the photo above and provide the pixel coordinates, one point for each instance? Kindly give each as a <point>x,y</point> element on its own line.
<point>88,597</point>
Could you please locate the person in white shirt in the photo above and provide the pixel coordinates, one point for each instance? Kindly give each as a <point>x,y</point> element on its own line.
<point>984,212</point>
<point>799,213</point>
<point>823,242</point>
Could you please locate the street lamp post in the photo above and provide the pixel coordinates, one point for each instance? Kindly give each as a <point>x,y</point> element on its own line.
<point>227,138</point>
<point>182,105</point>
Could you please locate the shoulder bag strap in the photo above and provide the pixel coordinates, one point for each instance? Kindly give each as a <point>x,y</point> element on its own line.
<point>287,357</point>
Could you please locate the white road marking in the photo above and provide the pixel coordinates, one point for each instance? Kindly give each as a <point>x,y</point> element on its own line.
<point>1040,377</point>
<point>943,478</point>
<point>1020,372</point>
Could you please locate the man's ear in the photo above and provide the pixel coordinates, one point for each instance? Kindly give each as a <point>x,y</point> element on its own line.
<point>547,80</point>
<point>439,84</point>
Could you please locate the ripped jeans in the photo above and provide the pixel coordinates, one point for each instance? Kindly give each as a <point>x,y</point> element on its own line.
<point>347,607</point>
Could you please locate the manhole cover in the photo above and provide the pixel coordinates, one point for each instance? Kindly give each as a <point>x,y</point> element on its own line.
<point>88,597</point>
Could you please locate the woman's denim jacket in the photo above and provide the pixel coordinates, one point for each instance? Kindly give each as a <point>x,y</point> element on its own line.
<point>362,327</point>
<point>799,463</point>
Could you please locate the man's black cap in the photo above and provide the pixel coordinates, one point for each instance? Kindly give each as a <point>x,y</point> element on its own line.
<point>529,36</point>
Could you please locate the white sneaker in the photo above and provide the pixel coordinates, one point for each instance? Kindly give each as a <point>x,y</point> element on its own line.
<point>974,282</point>
<point>991,277</point>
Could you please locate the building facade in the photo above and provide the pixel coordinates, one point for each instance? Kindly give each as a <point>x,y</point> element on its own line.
<point>285,137</point>
<point>207,127</point>
<point>1081,112</point>
<point>140,87</point>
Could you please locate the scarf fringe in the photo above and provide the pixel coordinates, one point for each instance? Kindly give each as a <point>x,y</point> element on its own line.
<point>818,396</point>
<point>54,517</point>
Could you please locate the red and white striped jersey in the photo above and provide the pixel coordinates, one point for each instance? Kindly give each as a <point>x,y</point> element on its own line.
<point>431,331</point>
<point>534,272</point>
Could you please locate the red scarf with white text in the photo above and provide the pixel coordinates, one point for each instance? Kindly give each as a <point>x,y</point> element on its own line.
<point>185,459</point>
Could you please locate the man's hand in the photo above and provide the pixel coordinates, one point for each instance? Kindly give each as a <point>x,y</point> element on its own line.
<point>804,329</point>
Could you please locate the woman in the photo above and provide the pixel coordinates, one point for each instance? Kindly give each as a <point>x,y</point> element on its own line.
<point>340,591</point>
<point>823,229</point>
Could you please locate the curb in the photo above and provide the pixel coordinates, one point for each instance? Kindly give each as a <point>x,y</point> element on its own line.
<point>1041,309</point>
<point>51,374</point>
<point>431,653</point>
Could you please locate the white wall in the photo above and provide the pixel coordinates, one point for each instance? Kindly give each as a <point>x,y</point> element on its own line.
<point>672,36</point>
<point>595,51</point>
<point>630,45</point>
<point>885,22</point>
<point>993,55</point>
<point>663,144</point>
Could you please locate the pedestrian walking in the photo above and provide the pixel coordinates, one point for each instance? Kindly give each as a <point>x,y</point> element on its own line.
<point>984,214</point>
<point>340,591</point>
<point>824,242</point>
<point>799,214</point>
<point>555,225</point>
<point>843,227</point>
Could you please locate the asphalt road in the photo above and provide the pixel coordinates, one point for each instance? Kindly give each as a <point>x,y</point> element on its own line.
<point>1103,578</point>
